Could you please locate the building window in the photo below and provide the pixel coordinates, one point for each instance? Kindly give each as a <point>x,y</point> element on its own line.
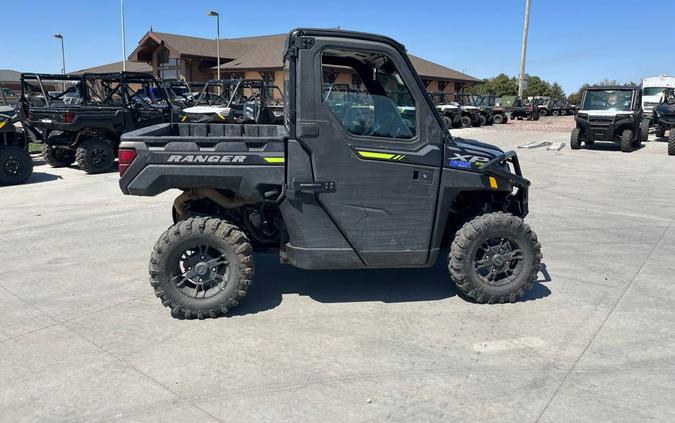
<point>169,68</point>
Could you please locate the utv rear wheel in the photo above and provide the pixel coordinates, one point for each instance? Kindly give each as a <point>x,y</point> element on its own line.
<point>479,122</point>
<point>447,122</point>
<point>575,139</point>
<point>498,119</point>
<point>495,258</point>
<point>57,157</point>
<point>644,130</point>
<point>671,143</point>
<point>466,121</point>
<point>543,113</point>
<point>95,155</point>
<point>536,116</point>
<point>16,165</point>
<point>627,141</point>
<point>201,267</point>
<point>555,113</point>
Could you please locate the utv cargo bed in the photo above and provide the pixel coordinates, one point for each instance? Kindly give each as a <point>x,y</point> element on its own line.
<point>246,159</point>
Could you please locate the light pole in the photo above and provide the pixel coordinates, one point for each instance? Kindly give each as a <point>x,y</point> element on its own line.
<point>124,38</point>
<point>63,58</point>
<point>214,13</point>
<point>521,77</point>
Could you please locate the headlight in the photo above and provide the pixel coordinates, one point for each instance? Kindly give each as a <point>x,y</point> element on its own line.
<point>622,117</point>
<point>582,115</point>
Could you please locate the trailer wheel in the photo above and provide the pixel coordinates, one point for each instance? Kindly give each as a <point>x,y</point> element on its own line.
<point>466,121</point>
<point>95,155</point>
<point>495,258</point>
<point>644,130</point>
<point>575,139</point>
<point>57,157</point>
<point>660,132</point>
<point>16,165</point>
<point>201,267</point>
<point>498,119</point>
<point>671,143</point>
<point>555,113</point>
<point>627,141</point>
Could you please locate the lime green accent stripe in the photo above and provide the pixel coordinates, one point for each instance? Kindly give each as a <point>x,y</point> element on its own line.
<point>275,159</point>
<point>375,155</point>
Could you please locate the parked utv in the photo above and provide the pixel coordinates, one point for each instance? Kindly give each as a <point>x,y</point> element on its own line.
<point>84,119</point>
<point>521,109</point>
<point>478,116</point>
<point>449,110</point>
<point>16,165</point>
<point>497,114</point>
<point>610,113</point>
<point>664,119</point>
<point>237,101</point>
<point>338,186</point>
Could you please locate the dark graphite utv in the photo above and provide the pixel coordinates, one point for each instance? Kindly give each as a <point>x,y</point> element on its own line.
<point>610,113</point>
<point>375,181</point>
<point>664,119</point>
<point>16,165</point>
<point>84,120</point>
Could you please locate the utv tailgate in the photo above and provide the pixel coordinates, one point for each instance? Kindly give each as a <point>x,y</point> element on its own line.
<point>246,159</point>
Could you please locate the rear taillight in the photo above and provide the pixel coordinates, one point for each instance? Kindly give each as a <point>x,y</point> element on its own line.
<point>68,117</point>
<point>126,156</point>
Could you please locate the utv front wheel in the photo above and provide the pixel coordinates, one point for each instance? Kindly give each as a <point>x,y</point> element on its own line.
<point>447,122</point>
<point>95,155</point>
<point>543,113</point>
<point>495,258</point>
<point>627,141</point>
<point>16,165</point>
<point>498,119</point>
<point>575,139</point>
<point>671,143</point>
<point>201,267</point>
<point>57,157</point>
<point>466,121</point>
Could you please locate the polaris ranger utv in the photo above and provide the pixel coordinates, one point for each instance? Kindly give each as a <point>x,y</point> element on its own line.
<point>521,109</point>
<point>497,113</point>
<point>16,165</point>
<point>335,187</point>
<point>478,116</point>
<point>664,119</point>
<point>83,123</point>
<point>610,113</point>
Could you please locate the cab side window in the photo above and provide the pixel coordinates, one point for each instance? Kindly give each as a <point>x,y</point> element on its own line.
<point>367,95</point>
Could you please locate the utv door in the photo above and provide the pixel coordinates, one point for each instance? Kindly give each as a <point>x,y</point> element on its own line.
<point>376,146</point>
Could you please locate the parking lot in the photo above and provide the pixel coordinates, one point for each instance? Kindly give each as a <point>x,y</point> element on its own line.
<point>84,338</point>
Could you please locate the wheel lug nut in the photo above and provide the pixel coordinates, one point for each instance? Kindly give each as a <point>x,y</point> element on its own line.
<point>213,270</point>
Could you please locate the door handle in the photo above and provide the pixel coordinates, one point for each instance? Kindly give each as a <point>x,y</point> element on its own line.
<point>423,176</point>
<point>315,186</point>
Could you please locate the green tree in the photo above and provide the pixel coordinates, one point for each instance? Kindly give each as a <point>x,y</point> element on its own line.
<point>557,91</point>
<point>500,85</point>
<point>537,87</point>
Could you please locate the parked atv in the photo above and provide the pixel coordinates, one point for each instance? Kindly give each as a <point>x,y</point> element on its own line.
<point>357,183</point>
<point>16,165</point>
<point>479,116</point>
<point>610,113</point>
<point>84,119</point>
<point>450,112</point>
<point>664,119</point>
<point>497,114</point>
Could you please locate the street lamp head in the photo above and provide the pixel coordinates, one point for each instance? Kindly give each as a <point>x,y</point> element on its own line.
<point>59,36</point>
<point>213,13</point>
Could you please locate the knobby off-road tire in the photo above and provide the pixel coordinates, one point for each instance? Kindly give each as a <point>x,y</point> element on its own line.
<point>555,113</point>
<point>627,141</point>
<point>498,119</point>
<point>644,130</point>
<point>95,155</point>
<point>660,132</point>
<point>57,157</point>
<point>543,112</point>
<point>575,139</point>
<point>466,121</point>
<point>671,143</point>
<point>201,267</point>
<point>495,258</point>
<point>447,122</point>
<point>16,165</point>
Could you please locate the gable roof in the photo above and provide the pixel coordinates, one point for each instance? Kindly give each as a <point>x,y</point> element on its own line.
<point>116,67</point>
<point>263,52</point>
<point>8,75</point>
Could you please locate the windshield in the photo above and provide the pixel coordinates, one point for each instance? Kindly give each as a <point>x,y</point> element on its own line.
<point>653,90</point>
<point>619,100</point>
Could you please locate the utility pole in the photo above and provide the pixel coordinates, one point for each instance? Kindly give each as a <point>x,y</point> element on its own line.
<point>217,15</point>
<point>63,58</point>
<point>124,39</point>
<point>523,54</point>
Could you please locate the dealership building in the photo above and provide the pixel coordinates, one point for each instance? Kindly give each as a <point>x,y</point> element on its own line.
<point>194,59</point>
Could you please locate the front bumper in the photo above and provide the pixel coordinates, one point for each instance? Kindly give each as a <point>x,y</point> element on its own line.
<point>499,168</point>
<point>602,129</point>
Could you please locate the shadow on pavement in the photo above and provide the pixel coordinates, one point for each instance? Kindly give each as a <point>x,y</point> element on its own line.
<point>272,280</point>
<point>38,177</point>
<point>608,146</point>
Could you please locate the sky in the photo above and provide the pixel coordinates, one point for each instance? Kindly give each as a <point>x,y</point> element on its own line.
<point>570,41</point>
